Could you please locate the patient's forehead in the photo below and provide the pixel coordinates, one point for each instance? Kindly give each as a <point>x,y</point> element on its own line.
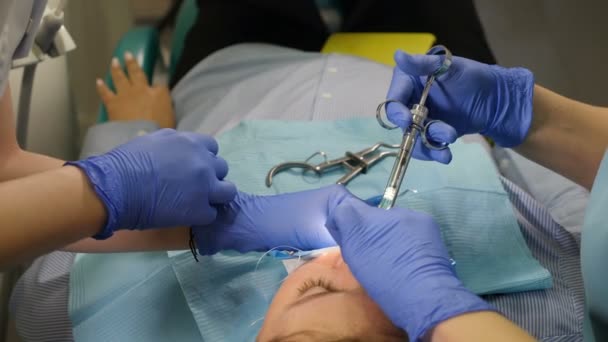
<point>345,310</point>
<point>350,310</point>
<point>344,314</point>
<point>317,336</point>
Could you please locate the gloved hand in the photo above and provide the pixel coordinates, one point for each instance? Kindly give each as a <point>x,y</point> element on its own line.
<point>472,97</point>
<point>400,260</point>
<point>162,179</point>
<point>259,223</point>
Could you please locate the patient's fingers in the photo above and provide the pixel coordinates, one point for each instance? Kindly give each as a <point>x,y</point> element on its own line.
<point>104,92</point>
<point>136,74</point>
<point>121,82</point>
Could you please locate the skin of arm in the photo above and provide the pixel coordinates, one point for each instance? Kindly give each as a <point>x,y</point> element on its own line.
<point>39,213</point>
<point>478,326</point>
<point>566,136</point>
<point>15,162</point>
<point>44,206</point>
<point>135,241</point>
<point>28,184</point>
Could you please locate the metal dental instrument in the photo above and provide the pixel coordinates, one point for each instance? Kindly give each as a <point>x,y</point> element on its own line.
<point>417,127</point>
<point>354,163</point>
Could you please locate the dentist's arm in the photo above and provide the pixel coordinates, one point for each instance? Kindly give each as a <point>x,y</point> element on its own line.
<point>32,221</point>
<point>401,262</point>
<point>478,326</point>
<point>43,212</point>
<point>136,185</point>
<point>567,136</point>
<point>137,101</point>
<point>16,163</point>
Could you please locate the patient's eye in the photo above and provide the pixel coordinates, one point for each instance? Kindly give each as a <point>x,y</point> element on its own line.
<point>315,283</point>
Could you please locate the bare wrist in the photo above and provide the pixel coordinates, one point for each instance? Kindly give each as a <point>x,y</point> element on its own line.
<point>95,211</point>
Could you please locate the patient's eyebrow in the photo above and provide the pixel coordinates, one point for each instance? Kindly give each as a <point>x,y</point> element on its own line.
<point>314,297</point>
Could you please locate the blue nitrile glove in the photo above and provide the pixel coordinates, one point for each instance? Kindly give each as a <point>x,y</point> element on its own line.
<point>260,223</point>
<point>162,179</point>
<point>472,97</point>
<point>400,260</point>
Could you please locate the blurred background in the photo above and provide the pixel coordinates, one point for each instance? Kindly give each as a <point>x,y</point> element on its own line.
<point>563,42</point>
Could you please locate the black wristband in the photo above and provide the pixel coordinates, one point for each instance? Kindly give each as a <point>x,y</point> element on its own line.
<point>192,245</point>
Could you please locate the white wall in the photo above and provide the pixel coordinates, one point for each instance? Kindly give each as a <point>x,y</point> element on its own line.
<point>564,42</point>
<point>561,41</point>
<point>51,123</point>
<point>64,98</point>
<point>96,27</point>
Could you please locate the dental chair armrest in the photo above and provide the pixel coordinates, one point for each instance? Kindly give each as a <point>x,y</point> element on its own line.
<point>143,43</point>
<point>103,137</point>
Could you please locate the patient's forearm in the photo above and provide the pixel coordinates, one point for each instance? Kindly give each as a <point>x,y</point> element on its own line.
<point>478,326</point>
<point>567,136</point>
<point>135,241</point>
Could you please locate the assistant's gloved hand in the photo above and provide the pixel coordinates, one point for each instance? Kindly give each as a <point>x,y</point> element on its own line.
<point>162,179</point>
<point>259,223</point>
<point>472,97</point>
<point>400,260</point>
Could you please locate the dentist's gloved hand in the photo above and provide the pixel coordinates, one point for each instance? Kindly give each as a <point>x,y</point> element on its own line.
<point>162,179</point>
<point>400,260</point>
<point>472,97</point>
<point>260,223</point>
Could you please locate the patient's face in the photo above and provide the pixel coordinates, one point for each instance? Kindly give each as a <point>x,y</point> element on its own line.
<point>322,300</point>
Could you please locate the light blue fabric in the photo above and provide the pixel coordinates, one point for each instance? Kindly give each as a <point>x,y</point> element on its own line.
<point>228,293</point>
<point>167,297</point>
<point>466,197</point>
<point>225,296</point>
<point>594,253</point>
<point>135,294</point>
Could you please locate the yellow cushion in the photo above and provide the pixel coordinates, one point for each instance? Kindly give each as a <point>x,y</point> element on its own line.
<point>378,47</point>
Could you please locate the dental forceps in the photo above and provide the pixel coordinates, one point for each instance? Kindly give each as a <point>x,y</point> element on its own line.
<point>355,163</point>
<point>419,126</point>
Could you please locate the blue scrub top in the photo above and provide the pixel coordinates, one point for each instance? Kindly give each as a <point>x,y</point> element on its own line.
<point>594,257</point>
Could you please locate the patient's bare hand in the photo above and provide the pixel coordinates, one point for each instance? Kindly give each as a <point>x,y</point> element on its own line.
<point>134,98</point>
